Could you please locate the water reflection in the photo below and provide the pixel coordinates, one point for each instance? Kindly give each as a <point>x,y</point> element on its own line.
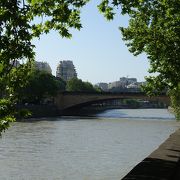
<point>144,114</point>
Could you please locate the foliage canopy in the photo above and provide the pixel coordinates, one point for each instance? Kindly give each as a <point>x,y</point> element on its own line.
<point>78,85</point>
<point>41,86</point>
<point>20,22</point>
<point>154,29</point>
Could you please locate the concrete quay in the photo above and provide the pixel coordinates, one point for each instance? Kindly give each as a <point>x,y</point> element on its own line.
<point>162,164</point>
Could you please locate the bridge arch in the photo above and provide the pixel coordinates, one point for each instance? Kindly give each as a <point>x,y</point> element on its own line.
<point>67,100</point>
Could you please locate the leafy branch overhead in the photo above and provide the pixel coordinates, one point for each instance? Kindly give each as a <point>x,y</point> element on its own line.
<point>20,22</point>
<point>154,29</point>
<point>56,15</point>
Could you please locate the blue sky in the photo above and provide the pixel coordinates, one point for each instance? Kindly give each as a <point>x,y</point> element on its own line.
<point>97,51</point>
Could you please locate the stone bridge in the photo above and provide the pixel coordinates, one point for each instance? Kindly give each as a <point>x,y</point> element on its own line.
<point>65,100</point>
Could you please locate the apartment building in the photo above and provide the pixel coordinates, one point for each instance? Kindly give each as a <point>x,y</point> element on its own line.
<point>66,70</point>
<point>43,66</point>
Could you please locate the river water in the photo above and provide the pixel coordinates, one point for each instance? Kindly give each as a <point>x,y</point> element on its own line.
<point>104,147</point>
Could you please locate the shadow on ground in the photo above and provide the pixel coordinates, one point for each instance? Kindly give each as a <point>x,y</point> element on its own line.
<point>162,164</point>
<point>154,169</point>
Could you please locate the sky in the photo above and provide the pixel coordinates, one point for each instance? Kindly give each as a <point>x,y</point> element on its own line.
<point>98,52</point>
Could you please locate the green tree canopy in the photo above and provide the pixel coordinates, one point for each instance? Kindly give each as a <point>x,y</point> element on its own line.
<point>41,86</point>
<point>77,85</point>
<point>20,22</point>
<point>154,29</point>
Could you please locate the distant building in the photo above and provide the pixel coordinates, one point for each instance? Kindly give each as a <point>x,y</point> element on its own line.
<point>43,66</point>
<point>124,81</point>
<point>136,85</point>
<point>133,85</point>
<point>15,63</point>
<point>114,84</point>
<point>66,70</point>
<point>103,86</point>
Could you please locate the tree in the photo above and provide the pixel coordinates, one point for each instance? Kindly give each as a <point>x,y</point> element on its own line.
<point>18,26</point>
<point>153,29</point>
<point>61,84</point>
<point>77,85</point>
<point>175,99</point>
<point>41,86</point>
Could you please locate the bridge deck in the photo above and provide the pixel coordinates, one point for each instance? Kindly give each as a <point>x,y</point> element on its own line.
<point>66,100</point>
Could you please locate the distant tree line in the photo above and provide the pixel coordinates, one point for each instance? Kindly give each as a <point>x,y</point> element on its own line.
<point>78,85</point>
<point>42,87</point>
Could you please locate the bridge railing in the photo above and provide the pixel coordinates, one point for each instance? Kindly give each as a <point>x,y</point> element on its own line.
<point>106,93</point>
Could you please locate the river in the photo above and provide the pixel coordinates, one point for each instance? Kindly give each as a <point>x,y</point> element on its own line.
<point>104,147</point>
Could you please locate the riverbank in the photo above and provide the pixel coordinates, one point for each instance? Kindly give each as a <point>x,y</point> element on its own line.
<point>39,111</point>
<point>51,110</point>
<point>162,164</point>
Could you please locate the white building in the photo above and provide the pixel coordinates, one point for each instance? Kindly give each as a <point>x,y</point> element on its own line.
<point>43,66</point>
<point>114,84</point>
<point>103,86</point>
<point>133,85</point>
<point>15,63</point>
<point>66,70</point>
<point>125,81</point>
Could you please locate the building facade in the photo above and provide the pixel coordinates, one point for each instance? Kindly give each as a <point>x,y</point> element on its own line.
<point>114,84</point>
<point>124,81</point>
<point>15,63</point>
<point>103,86</point>
<point>43,66</point>
<point>66,70</point>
